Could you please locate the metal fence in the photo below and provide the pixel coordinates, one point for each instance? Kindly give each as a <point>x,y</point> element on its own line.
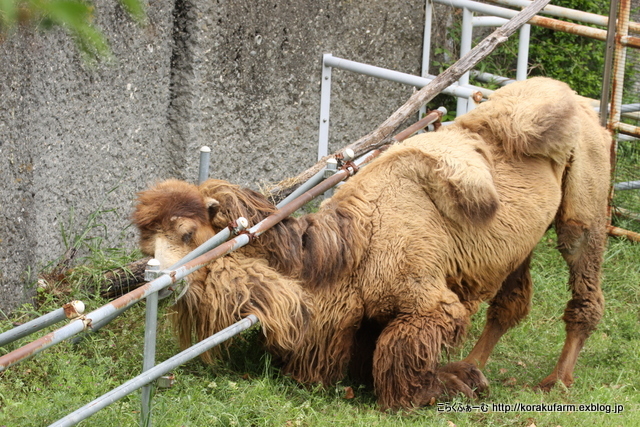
<point>619,104</point>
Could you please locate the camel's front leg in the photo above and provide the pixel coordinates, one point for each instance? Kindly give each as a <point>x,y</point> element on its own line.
<point>405,364</point>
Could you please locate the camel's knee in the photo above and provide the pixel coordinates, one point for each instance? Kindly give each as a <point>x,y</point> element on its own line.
<point>406,358</point>
<point>583,250</point>
<point>571,237</point>
<point>584,313</point>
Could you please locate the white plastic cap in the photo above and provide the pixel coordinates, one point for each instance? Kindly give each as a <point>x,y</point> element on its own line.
<point>78,306</point>
<point>242,222</point>
<point>348,154</point>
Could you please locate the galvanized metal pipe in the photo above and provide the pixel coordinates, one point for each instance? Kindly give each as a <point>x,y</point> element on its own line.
<point>70,310</point>
<point>395,76</point>
<point>628,185</point>
<point>488,78</point>
<point>332,166</point>
<point>488,21</point>
<point>426,46</point>
<point>466,38</point>
<point>325,104</point>
<point>426,40</point>
<point>155,372</point>
<point>150,332</point>
<point>313,181</point>
<point>522,68</point>
<point>149,355</point>
<point>624,108</point>
<point>205,155</point>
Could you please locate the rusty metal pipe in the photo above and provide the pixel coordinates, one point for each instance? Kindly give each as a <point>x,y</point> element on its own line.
<point>430,118</point>
<point>563,12</point>
<point>68,311</point>
<point>627,129</point>
<point>541,21</point>
<point>621,232</point>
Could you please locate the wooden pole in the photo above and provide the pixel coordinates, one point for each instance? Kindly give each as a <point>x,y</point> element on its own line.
<point>382,135</point>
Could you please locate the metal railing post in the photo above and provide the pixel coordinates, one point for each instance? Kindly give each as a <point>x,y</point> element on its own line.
<point>466,38</point>
<point>426,47</point>
<point>523,52</point>
<point>203,172</point>
<point>330,169</point>
<point>325,102</point>
<point>150,330</point>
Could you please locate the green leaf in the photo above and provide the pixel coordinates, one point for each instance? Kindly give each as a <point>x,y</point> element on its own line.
<point>135,8</point>
<point>8,14</point>
<point>72,14</point>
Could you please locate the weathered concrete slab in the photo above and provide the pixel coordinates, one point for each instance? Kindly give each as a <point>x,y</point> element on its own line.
<point>240,76</point>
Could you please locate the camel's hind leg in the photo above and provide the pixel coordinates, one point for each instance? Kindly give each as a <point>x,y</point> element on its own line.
<point>582,249</point>
<point>510,305</point>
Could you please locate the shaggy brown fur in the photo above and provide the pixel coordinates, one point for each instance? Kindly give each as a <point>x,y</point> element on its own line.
<point>397,261</point>
<point>174,219</point>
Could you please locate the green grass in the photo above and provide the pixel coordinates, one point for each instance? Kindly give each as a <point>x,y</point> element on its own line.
<point>246,390</point>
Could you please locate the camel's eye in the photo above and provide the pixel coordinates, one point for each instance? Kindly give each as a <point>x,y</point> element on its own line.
<point>186,238</point>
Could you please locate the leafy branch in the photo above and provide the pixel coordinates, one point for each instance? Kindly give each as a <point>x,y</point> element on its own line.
<point>76,17</point>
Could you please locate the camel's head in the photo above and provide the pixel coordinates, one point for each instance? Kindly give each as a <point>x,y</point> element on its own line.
<point>234,202</point>
<point>173,219</point>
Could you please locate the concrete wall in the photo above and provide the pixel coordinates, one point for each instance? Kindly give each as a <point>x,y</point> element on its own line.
<point>241,76</point>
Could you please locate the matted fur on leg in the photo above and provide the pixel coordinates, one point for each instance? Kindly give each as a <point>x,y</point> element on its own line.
<point>405,363</point>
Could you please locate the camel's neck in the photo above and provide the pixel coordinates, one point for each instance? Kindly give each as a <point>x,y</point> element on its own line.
<point>316,248</point>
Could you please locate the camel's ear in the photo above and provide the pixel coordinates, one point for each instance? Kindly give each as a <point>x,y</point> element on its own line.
<point>213,206</point>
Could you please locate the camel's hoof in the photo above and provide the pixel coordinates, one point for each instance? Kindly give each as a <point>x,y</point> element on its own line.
<point>463,377</point>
